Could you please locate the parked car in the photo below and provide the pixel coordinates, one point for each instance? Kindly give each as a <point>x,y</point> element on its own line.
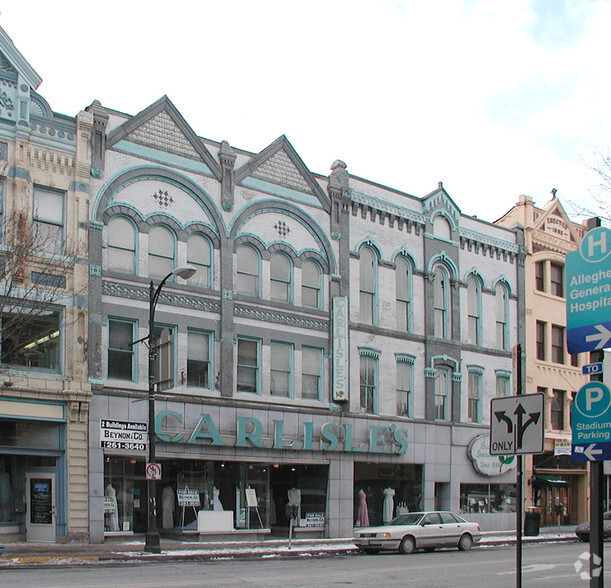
<point>419,530</point>
<point>583,531</point>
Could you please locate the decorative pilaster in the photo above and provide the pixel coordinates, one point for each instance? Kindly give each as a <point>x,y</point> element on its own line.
<point>227,158</point>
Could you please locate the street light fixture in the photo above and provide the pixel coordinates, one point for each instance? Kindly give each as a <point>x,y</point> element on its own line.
<point>152,544</point>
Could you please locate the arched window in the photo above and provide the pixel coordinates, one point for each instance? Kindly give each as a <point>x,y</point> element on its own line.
<point>502,313</point>
<point>443,387</point>
<point>441,303</point>
<point>367,285</point>
<point>474,304</point>
<point>199,255</point>
<point>281,272</point>
<point>247,274</point>
<point>121,245</point>
<point>403,288</point>
<point>161,252</point>
<point>310,284</point>
<point>441,227</point>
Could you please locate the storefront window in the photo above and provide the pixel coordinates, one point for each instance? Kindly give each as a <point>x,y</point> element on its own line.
<point>487,498</point>
<point>382,492</point>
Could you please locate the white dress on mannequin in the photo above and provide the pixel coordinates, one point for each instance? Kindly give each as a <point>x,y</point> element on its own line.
<point>389,505</point>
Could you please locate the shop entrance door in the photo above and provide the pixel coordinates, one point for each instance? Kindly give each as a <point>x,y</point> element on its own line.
<point>40,507</point>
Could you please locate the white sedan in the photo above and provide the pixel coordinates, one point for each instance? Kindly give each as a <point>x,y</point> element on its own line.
<point>419,530</point>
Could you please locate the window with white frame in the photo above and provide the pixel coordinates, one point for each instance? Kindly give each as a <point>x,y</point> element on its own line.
<point>199,255</point>
<point>161,251</point>
<point>281,376</point>
<point>367,285</point>
<point>501,316</point>
<point>198,359</point>
<point>30,337</point>
<point>121,245</point>
<point>247,270</point>
<point>120,364</point>
<point>441,303</point>
<point>368,380</point>
<point>404,385</point>
<point>443,385</point>
<point>557,409</point>
<point>311,373</point>
<point>503,383</point>
<point>474,304</point>
<point>403,292</point>
<point>48,220</point>
<point>310,284</point>
<point>474,394</point>
<point>281,271</point>
<point>248,365</point>
<point>556,276</point>
<point>558,343</point>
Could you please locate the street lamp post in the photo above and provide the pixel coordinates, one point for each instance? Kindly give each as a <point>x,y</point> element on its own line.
<point>152,544</point>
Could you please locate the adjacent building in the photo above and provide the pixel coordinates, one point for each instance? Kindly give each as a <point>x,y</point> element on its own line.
<point>44,388</point>
<point>554,483</point>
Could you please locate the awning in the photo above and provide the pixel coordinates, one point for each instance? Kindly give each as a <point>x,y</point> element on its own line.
<point>548,480</point>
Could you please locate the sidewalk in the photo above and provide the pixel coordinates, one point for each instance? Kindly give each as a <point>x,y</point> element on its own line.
<point>131,549</point>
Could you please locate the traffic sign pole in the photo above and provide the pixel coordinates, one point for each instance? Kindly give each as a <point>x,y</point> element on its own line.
<point>597,560</point>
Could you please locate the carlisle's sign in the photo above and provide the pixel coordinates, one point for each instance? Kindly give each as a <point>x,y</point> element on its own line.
<point>250,433</point>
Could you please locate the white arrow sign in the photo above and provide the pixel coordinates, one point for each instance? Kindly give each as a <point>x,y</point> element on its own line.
<point>603,336</point>
<point>589,451</point>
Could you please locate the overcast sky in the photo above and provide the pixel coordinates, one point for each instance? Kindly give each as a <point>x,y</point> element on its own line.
<point>494,98</point>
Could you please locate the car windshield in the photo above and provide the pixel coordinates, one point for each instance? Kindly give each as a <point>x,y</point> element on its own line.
<point>412,518</point>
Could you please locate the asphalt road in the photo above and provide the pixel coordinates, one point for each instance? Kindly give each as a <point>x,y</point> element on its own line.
<point>544,565</point>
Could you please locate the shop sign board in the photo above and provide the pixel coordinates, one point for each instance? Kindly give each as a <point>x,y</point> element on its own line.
<point>516,424</point>
<point>588,296</point>
<point>251,498</point>
<point>123,435</point>
<point>486,464</point>
<point>591,423</point>
<point>340,348</point>
<point>187,497</point>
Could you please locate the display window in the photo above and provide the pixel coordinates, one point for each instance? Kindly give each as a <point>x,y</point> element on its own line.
<point>487,498</point>
<point>258,495</point>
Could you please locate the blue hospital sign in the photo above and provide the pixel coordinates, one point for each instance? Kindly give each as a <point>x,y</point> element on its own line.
<point>588,304</point>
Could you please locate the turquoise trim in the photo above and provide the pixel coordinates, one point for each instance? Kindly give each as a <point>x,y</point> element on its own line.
<point>163,157</point>
<point>32,401</point>
<point>281,191</point>
<point>19,172</point>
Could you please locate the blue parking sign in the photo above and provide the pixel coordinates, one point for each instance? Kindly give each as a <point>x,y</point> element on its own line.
<point>591,423</point>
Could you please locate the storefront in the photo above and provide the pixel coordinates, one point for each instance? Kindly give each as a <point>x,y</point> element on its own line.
<point>32,470</point>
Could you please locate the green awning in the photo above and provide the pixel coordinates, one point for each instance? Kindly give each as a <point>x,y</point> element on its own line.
<point>548,480</point>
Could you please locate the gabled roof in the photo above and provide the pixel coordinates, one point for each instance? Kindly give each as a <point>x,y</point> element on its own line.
<point>161,126</point>
<point>280,164</point>
<point>14,62</point>
<point>439,198</point>
<point>554,209</point>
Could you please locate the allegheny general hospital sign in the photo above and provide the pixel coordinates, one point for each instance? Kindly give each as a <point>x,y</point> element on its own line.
<point>250,432</point>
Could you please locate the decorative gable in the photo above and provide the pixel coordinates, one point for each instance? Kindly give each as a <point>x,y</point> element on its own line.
<point>554,222</point>
<point>440,199</point>
<point>161,132</point>
<point>162,127</point>
<point>280,171</point>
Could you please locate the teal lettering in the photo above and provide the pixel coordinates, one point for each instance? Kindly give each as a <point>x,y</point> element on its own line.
<point>253,436</point>
<point>307,436</point>
<point>377,444</point>
<point>329,434</point>
<point>278,433</point>
<point>198,433</point>
<point>348,440</point>
<point>159,426</point>
<point>400,438</point>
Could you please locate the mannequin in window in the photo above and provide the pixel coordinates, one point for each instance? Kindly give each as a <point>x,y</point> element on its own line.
<point>167,503</point>
<point>363,510</point>
<point>216,501</point>
<point>111,518</point>
<point>389,505</point>
<point>293,506</point>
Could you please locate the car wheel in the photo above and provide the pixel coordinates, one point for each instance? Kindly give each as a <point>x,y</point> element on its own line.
<point>466,542</point>
<point>407,545</point>
<point>370,551</point>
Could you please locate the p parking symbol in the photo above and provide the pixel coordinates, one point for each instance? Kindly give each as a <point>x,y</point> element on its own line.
<point>593,399</point>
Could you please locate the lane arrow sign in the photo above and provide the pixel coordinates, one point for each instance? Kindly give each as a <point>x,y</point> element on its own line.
<point>603,337</point>
<point>589,451</point>
<point>501,416</point>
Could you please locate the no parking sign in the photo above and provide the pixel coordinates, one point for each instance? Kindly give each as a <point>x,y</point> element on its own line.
<point>153,471</point>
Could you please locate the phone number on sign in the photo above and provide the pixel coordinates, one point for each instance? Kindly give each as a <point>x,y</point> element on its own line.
<point>123,445</point>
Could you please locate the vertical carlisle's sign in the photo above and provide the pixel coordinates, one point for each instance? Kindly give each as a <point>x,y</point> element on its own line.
<point>340,349</point>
